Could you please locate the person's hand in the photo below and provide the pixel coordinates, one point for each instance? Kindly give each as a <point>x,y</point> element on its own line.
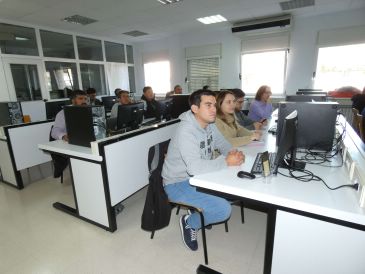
<point>256,136</point>
<point>235,158</point>
<point>264,121</point>
<point>65,138</point>
<point>257,125</point>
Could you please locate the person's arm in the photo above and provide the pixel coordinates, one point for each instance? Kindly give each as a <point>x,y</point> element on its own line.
<point>189,148</point>
<point>114,111</point>
<point>59,131</point>
<point>221,143</point>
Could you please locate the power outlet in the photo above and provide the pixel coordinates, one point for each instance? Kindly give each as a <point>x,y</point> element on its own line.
<point>356,178</point>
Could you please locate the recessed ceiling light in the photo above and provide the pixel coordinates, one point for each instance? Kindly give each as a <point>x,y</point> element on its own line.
<point>80,20</point>
<point>167,2</point>
<point>212,19</point>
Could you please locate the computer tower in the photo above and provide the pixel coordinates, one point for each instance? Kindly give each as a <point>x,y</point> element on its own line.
<point>85,124</point>
<point>316,123</point>
<point>10,113</point>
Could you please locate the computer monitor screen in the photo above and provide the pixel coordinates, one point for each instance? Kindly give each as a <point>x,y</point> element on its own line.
<point>180,104</point>
<point>165,108</point>
<point>287,143</point>
<point>316,123</point>
<point>84,124</point>
<point>310,91</point>
<point>130,116</point>
<point>10,113</point>
<point>108,102</point>
<point>53,107</point>
<point>306,98</point>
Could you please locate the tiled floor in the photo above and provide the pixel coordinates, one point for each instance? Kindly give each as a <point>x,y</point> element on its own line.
<point>36,238</point>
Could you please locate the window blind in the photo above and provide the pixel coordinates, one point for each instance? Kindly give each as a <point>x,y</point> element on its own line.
<point>342,36</point>
<point>202,72</point>
<point>268,42</point>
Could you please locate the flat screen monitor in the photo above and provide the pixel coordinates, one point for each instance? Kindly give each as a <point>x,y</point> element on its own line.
<point>10,113</point>
<point>130,116</point>
<point>84,124</point>
<point>310,91</point>
<point>316,123</point>
<point>286,152</point>
<point>165,108</point>
<point>180,104</point>
<point>53,107</point>
<point>108,102</point>
<point>306,98</point>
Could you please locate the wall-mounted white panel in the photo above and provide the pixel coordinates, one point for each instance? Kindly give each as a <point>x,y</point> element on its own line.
<point>126,162</point>
<point>35,109</point>
<point>88,181</point>
<point>5,164</point>
<point>326,247</point>
<point>25,140</point>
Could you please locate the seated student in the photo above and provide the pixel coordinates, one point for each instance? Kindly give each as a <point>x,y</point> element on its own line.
<point>93,101</point>
<point>227,124</point>
<point>123,99</point>
<point>260,108</point>
<point>358,101</point>
<point>190,153</point>
<point>59,132</point>
<point>150,104</point>
<point>177,90</point>
<point>116,91</point>
<point>241,118</point>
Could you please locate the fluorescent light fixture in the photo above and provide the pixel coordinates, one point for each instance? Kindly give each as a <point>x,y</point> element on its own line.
<point>19,38</point>
<point>212,19</point>
<point>166,2</point>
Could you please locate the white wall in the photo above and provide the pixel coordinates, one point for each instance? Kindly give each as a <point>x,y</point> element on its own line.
<point>302,56</point>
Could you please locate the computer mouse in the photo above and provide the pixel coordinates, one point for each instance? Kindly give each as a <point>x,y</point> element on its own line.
<point>245,174</point>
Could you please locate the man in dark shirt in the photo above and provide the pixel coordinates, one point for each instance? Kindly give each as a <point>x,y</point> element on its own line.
<point>93,101</point>
<point>150,104</point>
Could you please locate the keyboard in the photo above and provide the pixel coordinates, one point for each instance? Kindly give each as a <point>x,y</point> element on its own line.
<point>257,165</point>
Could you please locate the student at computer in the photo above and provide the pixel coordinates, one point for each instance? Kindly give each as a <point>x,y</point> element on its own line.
<point>358,101</point>
<point>227,124</point>
<point>177,90</point>
<point>191,152</point>
<point>123,99</point>
<point>241,118</point>
<point>59,132</point>
<point>93,101</point>
<point>261,108</point>
<point>150,104</point>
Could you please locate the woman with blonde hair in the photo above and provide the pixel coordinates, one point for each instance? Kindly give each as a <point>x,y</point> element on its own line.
<point>227,124</point>
<point>261,108</point>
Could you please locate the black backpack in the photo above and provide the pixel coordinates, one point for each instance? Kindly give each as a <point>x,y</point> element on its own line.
<point>157,209</point>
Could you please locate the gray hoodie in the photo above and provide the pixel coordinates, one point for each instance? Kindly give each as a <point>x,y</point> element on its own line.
<point>191,150</point>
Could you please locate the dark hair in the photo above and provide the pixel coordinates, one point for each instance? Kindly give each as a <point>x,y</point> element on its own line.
<point>78,92</point>
<point>121,92</point>
<point>238,93</point>
<point>146,88</point>
<point>206,87</point>
<point>91,91</point>
<point>196,96</point>
<point>220,98</point>
<point>177,86</point>
<point>116,91</point>
<point>260,91</point>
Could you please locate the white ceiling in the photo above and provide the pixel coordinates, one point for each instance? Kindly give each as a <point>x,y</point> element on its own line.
<point>118,16</point>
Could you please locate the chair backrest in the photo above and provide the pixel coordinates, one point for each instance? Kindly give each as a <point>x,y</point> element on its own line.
<point>50,135</point>
<point>156,155</point>
<point>355,125</point>
<point>361,125</point>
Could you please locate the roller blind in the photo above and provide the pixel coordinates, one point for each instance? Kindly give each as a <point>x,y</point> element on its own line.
<point>202,72</point>
<point>156,56</point>
<point>203,51</point>
<point>341,36</point>
<point>265,42</point>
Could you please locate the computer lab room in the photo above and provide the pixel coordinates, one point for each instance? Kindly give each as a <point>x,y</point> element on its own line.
<point>182,136</point>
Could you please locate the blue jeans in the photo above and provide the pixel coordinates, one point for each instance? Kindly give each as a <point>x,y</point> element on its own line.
<point>215,209</point>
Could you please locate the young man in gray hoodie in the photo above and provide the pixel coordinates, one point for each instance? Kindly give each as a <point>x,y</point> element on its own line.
<point>191,152</point>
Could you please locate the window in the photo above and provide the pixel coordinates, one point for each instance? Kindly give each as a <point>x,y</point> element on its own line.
<point>157,75</point>
<point>263,68</point>
<point>203,72</point>
<point>130,54</point>
<point>18,40</point>
<point>60,76</point>
<point>114,52</point>
<point>93,76</point>
<point>26,82</point>
<point>340,66</point>
<point>132,84</point>
<point>57,45</point>
<point>89,49</point>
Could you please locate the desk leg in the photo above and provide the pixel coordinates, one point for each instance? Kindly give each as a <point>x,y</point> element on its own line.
<point>65,208</point>
<point>270,234</point>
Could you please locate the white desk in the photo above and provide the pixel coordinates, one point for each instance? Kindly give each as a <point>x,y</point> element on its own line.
<point>310,229</point>
<point>109,172</point>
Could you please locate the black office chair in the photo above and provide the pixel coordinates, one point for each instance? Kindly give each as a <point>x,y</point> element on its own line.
<point>156,157</point>
<point>59,162</point>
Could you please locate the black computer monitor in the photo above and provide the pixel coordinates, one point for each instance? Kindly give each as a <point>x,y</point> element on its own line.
<point>108,102</point>
<point>316,123</point>
<point>306,98</point>
<point>10,113</point>
<point>85,124</point>
<point>130,116</point>
<point>53,107</point>
<point>286,153</point>
<point>165,108</point>
<point>180,104</point>
<point>310,91</point>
